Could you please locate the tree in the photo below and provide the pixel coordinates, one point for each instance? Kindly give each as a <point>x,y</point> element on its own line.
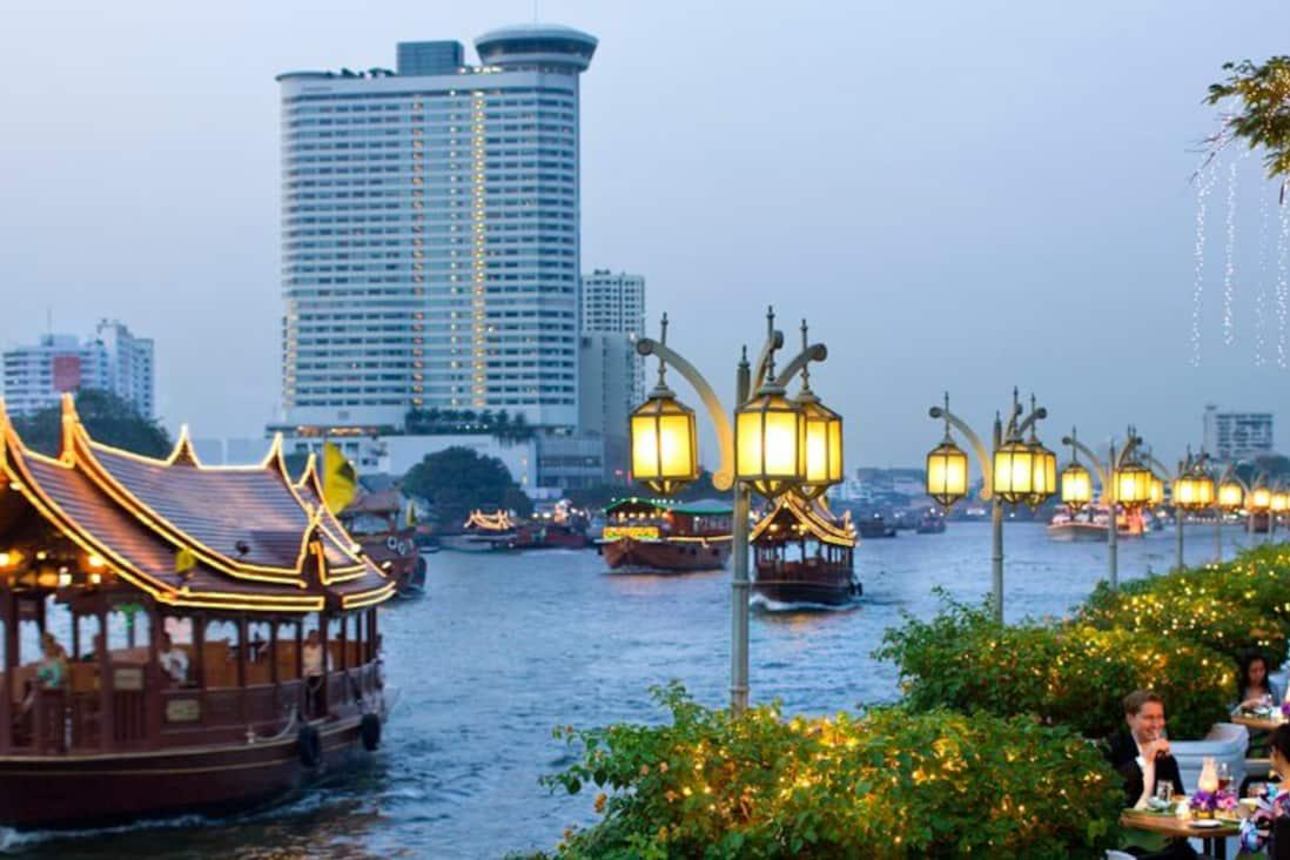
<point>1262,115</point>
<point>458,480</point>
<point>108,418</point>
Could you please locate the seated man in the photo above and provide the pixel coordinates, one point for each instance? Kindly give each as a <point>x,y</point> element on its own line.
<point>173,660</point>
<point>1140,752</point>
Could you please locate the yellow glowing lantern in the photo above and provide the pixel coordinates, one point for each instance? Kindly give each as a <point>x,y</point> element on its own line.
<point>1260,499</point>
<point>1014,472</point>
<point>1280,502</point>
<point>1044,480</point>
<point>664,443</point>
<point>823,454</point>
<point>1194,490</point>
<point>947,473</point>
<point>1132,484</point>
<point>770,444</point>
<point>1157,491</point>
<point>1231,495</point>
<point>1077,486</point>
<point>10,558</point>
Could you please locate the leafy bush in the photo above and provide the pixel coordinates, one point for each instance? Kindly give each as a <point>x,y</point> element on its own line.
<point>892,783</point>
<point>1064,674</point>
<point>1232,608</point>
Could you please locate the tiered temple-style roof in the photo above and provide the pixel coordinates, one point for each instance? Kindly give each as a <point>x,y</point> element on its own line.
<point>793,519</point>
<point>250,538</point>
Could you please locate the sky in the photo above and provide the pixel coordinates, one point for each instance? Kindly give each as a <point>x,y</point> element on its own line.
<point>956,196</point>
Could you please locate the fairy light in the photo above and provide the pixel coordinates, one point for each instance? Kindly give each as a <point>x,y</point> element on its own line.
<point>1260,318</point>
<point>1283,239</point>
<point>1203,185</point>
<point>1229,252</point>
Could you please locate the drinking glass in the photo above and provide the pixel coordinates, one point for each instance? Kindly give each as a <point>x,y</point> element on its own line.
<point>1224,775</point>
<point>1164,791</point>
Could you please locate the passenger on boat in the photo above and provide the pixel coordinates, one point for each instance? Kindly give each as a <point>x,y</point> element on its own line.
<point>314,661</point>
<point>51,672</point>
<point>173,660</point>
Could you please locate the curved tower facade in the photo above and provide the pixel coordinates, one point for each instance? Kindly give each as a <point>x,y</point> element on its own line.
<point>430,233</point>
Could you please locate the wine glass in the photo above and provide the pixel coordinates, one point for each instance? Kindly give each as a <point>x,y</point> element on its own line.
<point>1224,775</point>
<point>1164,791</point>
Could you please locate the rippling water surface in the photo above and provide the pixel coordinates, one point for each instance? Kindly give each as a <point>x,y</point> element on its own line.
<point>504,647</point>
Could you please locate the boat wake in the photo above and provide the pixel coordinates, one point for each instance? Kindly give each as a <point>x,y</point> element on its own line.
<point>765,604</point>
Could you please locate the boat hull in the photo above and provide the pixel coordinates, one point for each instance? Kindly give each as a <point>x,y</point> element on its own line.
<point>74,791</point>
<point>664,556</point>
<point>821,593</point>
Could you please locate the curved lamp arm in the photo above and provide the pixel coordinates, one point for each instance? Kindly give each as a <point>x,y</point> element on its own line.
<point>978,447</point>
<point>1098,466</point>
<point>774,341</point>
<point>723,478</point>
<point>1034,416</point>
<point>815,352</point>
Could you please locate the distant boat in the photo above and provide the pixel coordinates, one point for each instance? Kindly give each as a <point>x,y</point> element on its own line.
<point>932,523</point>
<point>804,554</point>
<point>874,527</point>
<point>652,536</point>
<point>1092,522</point>
<point>373,519</point>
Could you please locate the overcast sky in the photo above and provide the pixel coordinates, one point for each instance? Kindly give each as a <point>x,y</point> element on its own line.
<point>956,195</point>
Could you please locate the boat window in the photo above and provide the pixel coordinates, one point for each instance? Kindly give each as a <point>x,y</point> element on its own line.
<point>219,653</point>
<point>286,655</point>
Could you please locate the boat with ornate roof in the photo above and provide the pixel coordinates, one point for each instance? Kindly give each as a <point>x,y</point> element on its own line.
<point>374,519</point>
<point>655,536</point>
<point>804,554</point>
<point>209,635</point>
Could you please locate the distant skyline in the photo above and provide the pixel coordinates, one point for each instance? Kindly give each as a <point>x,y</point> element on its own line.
<point>961,197</point>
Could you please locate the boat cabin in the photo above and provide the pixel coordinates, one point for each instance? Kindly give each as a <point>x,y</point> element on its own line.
<point>162,604</point>
<point>657,519</point>
<point>804,553</point>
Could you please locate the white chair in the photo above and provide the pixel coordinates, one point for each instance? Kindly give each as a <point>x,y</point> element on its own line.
<point>1112,854</point>
<point>1226,742</point>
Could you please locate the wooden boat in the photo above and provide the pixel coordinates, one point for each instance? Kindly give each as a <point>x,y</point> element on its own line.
<point>500,531</point>
<point>373,519</point>
<point>241,655</point>
<point>874,527</point>
<point>931,523</point>
<point>1092,522</point>
<point>804,554</point>
<point>653,536</point>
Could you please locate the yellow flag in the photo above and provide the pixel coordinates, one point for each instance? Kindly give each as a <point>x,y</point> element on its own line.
<point>340,481</point>
<point>185,560</point>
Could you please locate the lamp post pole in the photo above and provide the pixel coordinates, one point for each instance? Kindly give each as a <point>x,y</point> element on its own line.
<point>740,585</point>
<point>1014,431</point>
<point>747,381</point>
<point>1106,476</point>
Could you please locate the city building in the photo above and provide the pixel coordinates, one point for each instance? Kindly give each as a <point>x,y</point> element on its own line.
<point>430,233</point>
<point>112,359</point>
<point>615,304</point>
<point>608,394</point>
<point>1232,436</point>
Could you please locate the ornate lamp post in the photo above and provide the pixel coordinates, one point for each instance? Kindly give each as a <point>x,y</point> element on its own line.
<point>1124,481</point>
<point>1015,470</point>
<point>1232,495</point>
<point>778,445</point>
<point>1193,491</point>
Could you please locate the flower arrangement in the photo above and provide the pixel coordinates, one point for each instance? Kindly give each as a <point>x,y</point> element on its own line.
<point>1285,709</point>
<point>1209,801</point>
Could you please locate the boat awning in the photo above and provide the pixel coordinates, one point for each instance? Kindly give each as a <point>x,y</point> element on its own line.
<point>792,519</point>
<point>189,535</point>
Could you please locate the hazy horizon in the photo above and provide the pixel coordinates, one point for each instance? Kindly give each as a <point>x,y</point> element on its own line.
<point>961,198</point>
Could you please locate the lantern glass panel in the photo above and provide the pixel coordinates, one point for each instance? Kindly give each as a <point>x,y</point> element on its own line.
<point>1280,502</point>
<point>1260,499</point>
<point>1014,472</point>
<point>1077,485</point>
<point>1230,495</point>
<point>770,444</point>
<point>947,473</point>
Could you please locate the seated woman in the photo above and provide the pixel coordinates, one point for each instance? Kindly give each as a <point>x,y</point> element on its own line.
<point>1254,689</point>
<point>1268,827</point>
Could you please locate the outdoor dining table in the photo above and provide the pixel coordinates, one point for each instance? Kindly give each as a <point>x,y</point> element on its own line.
<point>1213,839</point>
<point>1251,721</point>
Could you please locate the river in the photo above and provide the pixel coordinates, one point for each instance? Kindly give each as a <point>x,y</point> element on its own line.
<point>505,647</point>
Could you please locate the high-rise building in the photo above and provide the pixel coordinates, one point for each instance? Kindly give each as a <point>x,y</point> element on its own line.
<point>615,304</point>
<point>111,360</point>
<point>430,232</point>
<point>1233,436</point>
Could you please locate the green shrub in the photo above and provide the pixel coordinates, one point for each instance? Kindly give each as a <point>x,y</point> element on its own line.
<point>892,783</point>
<point>1062,674</point>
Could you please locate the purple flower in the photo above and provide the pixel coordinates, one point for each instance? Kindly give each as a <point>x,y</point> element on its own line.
<point>1285,709</point>
<point>1227,800</point>
<point>1205,800</point>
